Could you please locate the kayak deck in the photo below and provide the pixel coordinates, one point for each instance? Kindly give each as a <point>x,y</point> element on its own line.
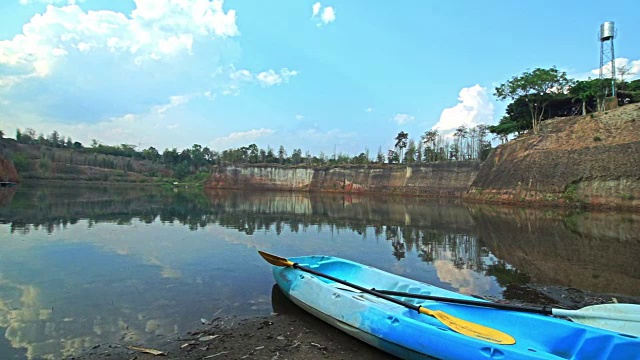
<point>537,336</point>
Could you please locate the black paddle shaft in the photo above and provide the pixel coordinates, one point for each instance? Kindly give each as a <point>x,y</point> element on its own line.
<point>522,308</point>
<point>365,290</point>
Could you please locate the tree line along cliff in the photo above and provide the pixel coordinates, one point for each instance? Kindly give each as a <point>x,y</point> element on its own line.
<point>590,160</point>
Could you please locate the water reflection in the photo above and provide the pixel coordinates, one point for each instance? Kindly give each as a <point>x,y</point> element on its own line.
<point>596,251</point>
<point>87,265</point>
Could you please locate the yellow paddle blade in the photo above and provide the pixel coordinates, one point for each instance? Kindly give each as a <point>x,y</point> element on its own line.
<point>470,329</point>
<point>275,260</point>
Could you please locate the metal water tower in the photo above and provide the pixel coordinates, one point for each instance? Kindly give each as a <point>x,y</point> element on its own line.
<point>607,56</point>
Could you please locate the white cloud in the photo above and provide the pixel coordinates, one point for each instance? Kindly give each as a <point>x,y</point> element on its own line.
<point>236,139</point>
<point>368,110</point>
<point>328,15</point>
<point>324,17</point>
<point>271,77</point>
<point>634,66</point>
<point>474,108</point>
<point>241,75</point>
<point>299,117</point>
<point>155,29</point>
<point>69,2</point>
<point>174,101</point>
<point>266,78</point>
<point>148,128</point>
<point>402,119</point>
<point>316,9</point>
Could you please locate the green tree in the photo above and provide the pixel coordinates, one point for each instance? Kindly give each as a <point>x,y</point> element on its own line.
<point>254,153</point>
<point>410,156</point>
<point>208,155</point>
<point>151,154</point>
<point>505,127</point>
<point>429,140</point>
<point>296,156</point>
<point>282,154</point>
<point>536,87</point>
<point>484,146</point>
<point>585,91</point>
<point>263,156</point>
<point>170,157</point>
<point>393,157</point>
<point>460,135</point>
<point>401,141</point>
<point>182,170</point>
<point>624,71</point>
<point>633,85</point>
<point>197,156</point>
<point>360,159</point>
<point>271,157</point>
<point>21,162</point>
<point>380,156</point>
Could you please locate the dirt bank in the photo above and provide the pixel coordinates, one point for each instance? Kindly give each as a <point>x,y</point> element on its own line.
<point>589,161</point>
<point>8,171</point>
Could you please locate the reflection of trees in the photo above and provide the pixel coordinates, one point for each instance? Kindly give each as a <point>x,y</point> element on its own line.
<point>506,274</point>
<point>431,230</point>
<point>6,195</point>
<point>553,247</point>
<point>42,207</point>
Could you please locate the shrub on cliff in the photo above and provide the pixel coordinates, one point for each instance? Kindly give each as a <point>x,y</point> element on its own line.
<point>21,162</point>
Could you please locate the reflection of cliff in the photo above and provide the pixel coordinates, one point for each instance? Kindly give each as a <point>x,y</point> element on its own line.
<point>258,209</point>
<point>590,251</point>
<point>44,206</point>
<point>6,195</point>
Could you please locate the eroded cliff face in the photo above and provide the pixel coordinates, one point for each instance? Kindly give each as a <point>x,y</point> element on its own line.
<point>440,179</point>
<point>584,160</point>
<point>8,171</point>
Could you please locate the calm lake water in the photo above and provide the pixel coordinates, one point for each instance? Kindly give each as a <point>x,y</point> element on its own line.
<point>82,265</point>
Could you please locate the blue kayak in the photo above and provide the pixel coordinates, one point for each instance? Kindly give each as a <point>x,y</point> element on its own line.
<point>408,334</point>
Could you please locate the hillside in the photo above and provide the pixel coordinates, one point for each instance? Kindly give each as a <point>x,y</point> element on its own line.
<point>590,160</point>
<point>49,163</point>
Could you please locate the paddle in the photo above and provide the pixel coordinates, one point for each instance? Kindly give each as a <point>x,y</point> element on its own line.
<point>623,318</point>
<point>458,325</point>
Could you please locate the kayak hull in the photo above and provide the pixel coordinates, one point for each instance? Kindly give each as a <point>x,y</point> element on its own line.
<point>407,334</point>
<point>389,347</point>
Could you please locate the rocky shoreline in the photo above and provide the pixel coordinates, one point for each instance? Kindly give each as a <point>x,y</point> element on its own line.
<point>291,333</point>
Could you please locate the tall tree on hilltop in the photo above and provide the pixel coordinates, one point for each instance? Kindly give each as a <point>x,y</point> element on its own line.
<point>380,156</point>
<point>624,71</point>
<point>282,153</point>
<point>537,88</point>
<point>460,135</point>
<point>429,140</point>
<point>410,156</point>
<point>401,141</point>
<point>585,91</point>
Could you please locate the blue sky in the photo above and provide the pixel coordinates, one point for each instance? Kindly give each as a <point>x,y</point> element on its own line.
<point>344,74</point>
